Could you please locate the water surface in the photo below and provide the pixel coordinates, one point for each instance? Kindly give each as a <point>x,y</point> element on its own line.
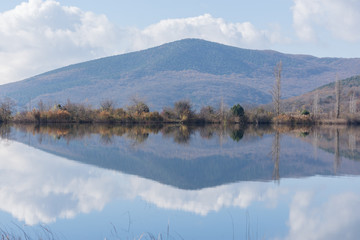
<point>179,182</point>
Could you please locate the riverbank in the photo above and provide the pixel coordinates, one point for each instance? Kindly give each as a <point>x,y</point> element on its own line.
<point>181,113</point>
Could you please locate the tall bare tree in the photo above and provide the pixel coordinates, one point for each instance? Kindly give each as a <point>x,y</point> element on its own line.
<point>337,96</point>
<point>352,104</point>
<point>316,104</point>
<point>276,91</point>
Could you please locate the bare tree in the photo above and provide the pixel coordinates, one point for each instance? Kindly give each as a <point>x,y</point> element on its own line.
<point>337,96</point>
<point>107,105</point>
<point>352,104</point>
<point>276,91</point>
<point>316,104</point>
<point>138,106</point>
<point>6,109</point>
<point>183,110</point>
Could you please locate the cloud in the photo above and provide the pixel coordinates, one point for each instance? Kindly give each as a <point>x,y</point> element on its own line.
<point>209,28</point>
<point>41,35</point>
<point>339,17</point>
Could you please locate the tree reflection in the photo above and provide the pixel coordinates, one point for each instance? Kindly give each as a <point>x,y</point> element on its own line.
<point>212,153</point>
<point>275,152</point>
<point>339,140</point>
<point>180,133</point>
<point>237,135</point>
<point>337,150</point>
<point>5,131</point>
<point>352,142</point>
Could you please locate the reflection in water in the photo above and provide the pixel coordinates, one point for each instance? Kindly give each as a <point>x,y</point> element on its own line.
<point>139,133</point>
<point>337,150</point>
<point>335,217</point>
<point>32,192</point>
<point>276,155</point>
<point>194,169</point>
<point>227,152</point>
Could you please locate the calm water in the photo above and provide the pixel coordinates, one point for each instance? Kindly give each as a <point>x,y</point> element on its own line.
<point>177,182</point>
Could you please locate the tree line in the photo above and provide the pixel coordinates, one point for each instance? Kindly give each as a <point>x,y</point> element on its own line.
<point>137,112</point>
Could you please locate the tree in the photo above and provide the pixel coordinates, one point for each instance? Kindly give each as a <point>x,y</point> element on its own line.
<point>337,95</point>
<point>183,110</point>
<point>6,109</point>
<point>316,104</point>
<point>237,110</point>
<point>352,104</point>
<point>107,105</point>
<point>276,91</point>
<point>207,113</point>
<point>138,106</point>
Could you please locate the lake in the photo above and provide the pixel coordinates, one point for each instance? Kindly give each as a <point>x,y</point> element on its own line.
<point>179,182</point>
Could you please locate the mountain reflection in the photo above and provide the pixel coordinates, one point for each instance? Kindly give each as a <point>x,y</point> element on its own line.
<point>195,157</point>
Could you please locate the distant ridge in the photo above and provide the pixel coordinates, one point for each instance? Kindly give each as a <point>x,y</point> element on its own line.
<point>326,95</point>
<point>201,71</point>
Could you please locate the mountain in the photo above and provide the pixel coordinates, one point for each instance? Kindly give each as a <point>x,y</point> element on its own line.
<point>326,95</point>
<point>201,71</point>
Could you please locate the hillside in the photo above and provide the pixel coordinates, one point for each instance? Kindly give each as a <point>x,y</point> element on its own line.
<point>201,71</point>
<point>326,95</point>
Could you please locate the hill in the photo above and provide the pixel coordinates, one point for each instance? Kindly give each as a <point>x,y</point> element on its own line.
<point>201,71</point>
<point>326,95</point>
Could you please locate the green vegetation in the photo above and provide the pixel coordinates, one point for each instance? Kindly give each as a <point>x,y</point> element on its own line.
<point>238,110</point>
<point>305,112</point>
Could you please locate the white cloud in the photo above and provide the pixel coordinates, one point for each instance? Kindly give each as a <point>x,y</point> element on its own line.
<point>41,35</point>
<point>340,17</point>
<point>209,28</point>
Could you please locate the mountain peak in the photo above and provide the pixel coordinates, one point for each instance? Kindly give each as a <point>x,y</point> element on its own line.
<point>201,71</point>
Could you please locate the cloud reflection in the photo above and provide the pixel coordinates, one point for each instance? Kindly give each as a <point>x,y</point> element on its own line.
<point>37,187</point>
<point>337,218</point>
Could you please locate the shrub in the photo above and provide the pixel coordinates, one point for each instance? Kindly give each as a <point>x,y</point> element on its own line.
<point>208,114</point>
<point>107,105</point>
<point>305,112</point>
<point>58,116</point>
<point>183,110</point>
<point>6,109</point>
<point>106,116</point>
<point>237,110</point>
<point>138,107</point>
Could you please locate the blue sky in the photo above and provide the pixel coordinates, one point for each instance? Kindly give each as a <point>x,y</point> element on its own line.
<point>40,35</point>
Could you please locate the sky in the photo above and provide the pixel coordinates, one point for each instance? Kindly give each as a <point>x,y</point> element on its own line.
<point>41,35</point>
